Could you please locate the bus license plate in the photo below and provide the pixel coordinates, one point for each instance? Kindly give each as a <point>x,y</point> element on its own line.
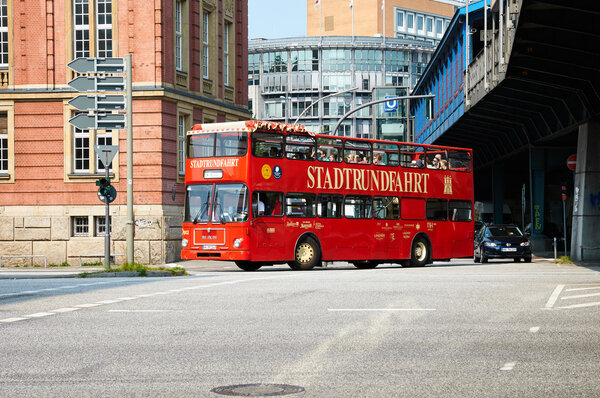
<point>509,249</point>
<point>209,247</point>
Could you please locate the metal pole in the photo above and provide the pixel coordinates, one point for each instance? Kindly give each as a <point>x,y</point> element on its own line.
<point>485,46</point>
<point>321,99</point>
<point>501,32</point>
<point>129,105</point>
<point>565,226</point>
<point>467,38</point>
<point>106,219</point>
<point>379,101</point>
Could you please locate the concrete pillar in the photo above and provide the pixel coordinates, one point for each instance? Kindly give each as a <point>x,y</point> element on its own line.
<point>498,192</point>
<point>538,177</point>
<point>585,238</point>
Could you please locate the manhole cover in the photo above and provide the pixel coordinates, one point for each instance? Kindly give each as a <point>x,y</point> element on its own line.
<point>257,390</point>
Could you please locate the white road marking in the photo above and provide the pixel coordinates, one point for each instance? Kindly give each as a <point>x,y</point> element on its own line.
<point>138,310</point>
<point>10,320</point>
<point>66,309</point>
<point>576,289</point>
<point>90,305</point>
<point>377,309</point>
<point>554,296</point>
<point>580,305</point>
<point>99,303</point>
<point>534,329</point>
<point>40,314</point>
<point>508,366</point>
<point>581,296</point>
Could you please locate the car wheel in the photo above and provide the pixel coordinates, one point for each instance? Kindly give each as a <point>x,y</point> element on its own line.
<point>527,259</point>
<point>517,260</point>
<point>248,265</point>
<point>484,259</point>
<point>307,255</point>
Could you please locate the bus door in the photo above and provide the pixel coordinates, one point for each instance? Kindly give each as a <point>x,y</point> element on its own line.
<point>388,237</point>
<point>268,230</point>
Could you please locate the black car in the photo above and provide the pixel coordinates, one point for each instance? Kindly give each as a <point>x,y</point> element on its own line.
<point>501,241</point>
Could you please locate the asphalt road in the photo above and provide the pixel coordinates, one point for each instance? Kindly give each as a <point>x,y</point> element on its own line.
<point>452,329</point>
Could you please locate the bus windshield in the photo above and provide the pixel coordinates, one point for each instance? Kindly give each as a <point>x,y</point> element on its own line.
<point>228,203</point>
<point>210,145</point>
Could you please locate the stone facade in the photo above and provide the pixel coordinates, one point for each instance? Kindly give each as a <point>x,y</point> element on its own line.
<point>157,237</point>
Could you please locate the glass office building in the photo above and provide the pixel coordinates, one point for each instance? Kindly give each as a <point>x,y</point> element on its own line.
<point>286,76</point>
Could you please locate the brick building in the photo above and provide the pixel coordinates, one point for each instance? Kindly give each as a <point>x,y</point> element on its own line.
<point>190,65</point>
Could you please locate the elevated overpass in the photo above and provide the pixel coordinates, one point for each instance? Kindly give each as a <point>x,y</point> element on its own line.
<point>524,92</point>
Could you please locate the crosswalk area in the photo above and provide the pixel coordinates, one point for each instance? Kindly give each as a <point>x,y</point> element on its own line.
<point>567,297</point>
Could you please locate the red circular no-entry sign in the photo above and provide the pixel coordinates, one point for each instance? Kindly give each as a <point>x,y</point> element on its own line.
<point>572,162</point>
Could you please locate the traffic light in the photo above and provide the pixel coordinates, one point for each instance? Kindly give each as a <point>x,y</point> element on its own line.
<point>105,187</point>
<point>563,192</point>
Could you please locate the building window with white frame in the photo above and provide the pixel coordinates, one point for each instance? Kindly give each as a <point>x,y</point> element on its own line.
<point>80,226</point>
<point>205,47</point>
<point>178,35</point>
<point>100,225</point>
<point>104,28</point>
<point>400,24</point>
<point>226,28</point>
<point>81,26</point>
<point>3,34</point>
<point>181,145</point>
<point>81,150</point>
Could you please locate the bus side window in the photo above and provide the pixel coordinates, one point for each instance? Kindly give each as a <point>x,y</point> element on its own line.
<point>330,149</point>
<point>329,206</point>
<point>386,207</point>
<point>358,206</point>
<point>437,209</point>
<point>267,145</point>
<point>300,147</point>
<point>267,204</point>
<point>300,205</point>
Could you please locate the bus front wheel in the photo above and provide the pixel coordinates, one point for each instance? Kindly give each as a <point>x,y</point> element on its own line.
<point>419,254</point>
<point>307,255</point>
<point>248,265</point>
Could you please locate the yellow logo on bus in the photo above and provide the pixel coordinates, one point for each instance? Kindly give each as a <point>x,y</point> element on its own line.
<point>266,171</point>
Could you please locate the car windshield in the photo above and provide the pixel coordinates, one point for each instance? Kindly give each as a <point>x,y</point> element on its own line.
<point>504,231</point>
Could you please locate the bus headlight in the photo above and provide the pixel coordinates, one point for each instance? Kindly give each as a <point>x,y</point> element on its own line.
<point>237,243</point>
<point>184,242</point>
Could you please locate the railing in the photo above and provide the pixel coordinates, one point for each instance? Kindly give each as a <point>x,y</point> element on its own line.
<point>26,256</point>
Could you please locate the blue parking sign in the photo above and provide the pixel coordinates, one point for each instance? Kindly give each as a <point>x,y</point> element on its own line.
<point>391,105</point>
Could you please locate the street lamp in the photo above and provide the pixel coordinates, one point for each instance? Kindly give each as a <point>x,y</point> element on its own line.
<point>285,106</point>
<point>321,99</point>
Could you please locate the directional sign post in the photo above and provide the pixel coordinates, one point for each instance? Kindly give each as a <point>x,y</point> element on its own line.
<point>99,121</point>
<point>100,79</point>
<point>98,102</point>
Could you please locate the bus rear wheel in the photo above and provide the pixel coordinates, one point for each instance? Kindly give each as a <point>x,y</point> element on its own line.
<point>307,255</point>
<point>365,264</point>
<point>248,265</point>
<point>419,253</point>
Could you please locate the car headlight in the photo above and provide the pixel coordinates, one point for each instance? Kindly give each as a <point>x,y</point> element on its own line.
<point>237,243</point>
<point>525,244</point>
<point>184,242</point>
<point>490,244</point>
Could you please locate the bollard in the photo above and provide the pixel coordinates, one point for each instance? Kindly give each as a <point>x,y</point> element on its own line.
<point>554,244</point>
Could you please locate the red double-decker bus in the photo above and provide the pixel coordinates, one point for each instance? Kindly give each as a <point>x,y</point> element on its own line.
<point>263,193</point>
